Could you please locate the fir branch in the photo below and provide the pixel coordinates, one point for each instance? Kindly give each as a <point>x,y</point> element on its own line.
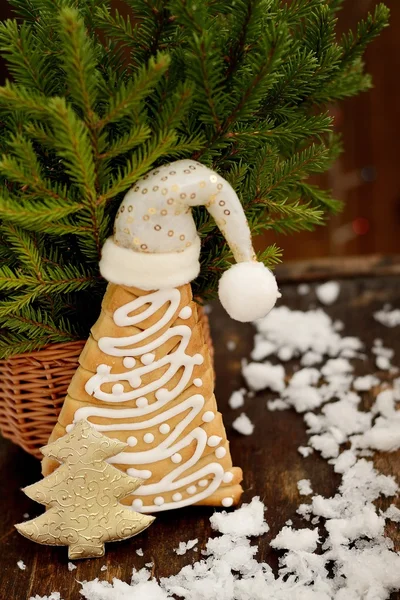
<point>24,244</point>
<point>367,30</point>
<point>41,215</point>
<point>12,344</point>
<point>129,96</point>
<point>257,75</point>
<point>116,26</point>
<point>35,323</point>
<point>80,64</point>
<point>296,129</point>
<point>22,99</point>
<point>74,145</point>
<point>141,162</point>
<point>15,304</point>
<point>287,173</point>
<point>295,215</point>
<point>271,256</point>
<point>174,108</point>
<point>319,197</point>
<point>26,58</point>
<point>9,280</point>
<point>243,17</point>
<point>121,145</point>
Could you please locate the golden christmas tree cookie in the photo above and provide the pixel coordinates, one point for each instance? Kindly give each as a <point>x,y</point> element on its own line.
<point>81,496</point>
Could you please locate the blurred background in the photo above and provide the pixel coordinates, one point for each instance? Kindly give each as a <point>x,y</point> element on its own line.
<point>367,175</point>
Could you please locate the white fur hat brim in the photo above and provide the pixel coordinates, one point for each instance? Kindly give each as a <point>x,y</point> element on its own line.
<point>146,271</point>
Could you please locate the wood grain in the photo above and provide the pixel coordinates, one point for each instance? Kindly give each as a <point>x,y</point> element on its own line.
<point>269,458</point>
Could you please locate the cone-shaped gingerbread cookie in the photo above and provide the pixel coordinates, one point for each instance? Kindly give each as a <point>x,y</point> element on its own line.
<point>145,375</point>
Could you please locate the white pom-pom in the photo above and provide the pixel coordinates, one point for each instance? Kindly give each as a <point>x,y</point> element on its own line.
<point>248,291</point>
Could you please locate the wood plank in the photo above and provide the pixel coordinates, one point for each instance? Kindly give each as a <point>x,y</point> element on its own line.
<point>269,458</point>
<point>374,265</point>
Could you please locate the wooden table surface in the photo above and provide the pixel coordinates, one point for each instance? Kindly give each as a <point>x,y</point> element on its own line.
<point>269,458</point>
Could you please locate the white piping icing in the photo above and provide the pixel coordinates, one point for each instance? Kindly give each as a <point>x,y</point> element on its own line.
<point>168,446</point>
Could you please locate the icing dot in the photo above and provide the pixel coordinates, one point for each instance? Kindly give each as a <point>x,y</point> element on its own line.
<point>199,359</point>
<point>148,438</point>
<point>220,452</point>
<point>131,441</point>
<point>191,489</point>
<point>227,502</point>
<point>213,440</point>
<point>227,478</point>
<point>129,362</point>
<point>185,313</point>
<point>118,389</point>
<point>159,501</point>
<point>137,504</point>
<point>176,458</point>
<point>141,402</point>
<point>208,416</point>
<point>162,394</point>
<point>177,497</point>
<point>69,427</point>
<point>164,428</point>
<point>203,482</point>
<point>135,381</point>
<point>103,369</point>
<point>198,382</point>
<point>147,359</point>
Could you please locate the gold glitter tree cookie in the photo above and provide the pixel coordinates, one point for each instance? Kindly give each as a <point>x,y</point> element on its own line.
<point>81,496</point>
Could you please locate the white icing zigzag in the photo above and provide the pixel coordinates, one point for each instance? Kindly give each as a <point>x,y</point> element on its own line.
<point>211,475</point>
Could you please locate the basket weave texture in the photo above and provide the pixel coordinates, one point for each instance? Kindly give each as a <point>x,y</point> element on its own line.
<point>33,387</point>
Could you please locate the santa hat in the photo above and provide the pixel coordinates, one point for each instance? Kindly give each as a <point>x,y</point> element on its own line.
<point>156,245</point>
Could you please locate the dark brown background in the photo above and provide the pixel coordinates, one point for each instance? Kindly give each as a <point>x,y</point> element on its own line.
<point>366,177</point>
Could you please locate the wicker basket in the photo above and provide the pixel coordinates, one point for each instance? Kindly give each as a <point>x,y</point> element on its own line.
<point>33,387</point>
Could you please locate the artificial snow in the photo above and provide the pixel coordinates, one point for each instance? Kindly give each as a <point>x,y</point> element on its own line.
<point>304,487</point>
<point>231,345</point>
<point>305,451</point>
<point>260,376</point>
<point>296,539</point>
<point>383,355</point>
<point>139,552</point>
<point>389,318</point>
<point>303,332</point>
<point>21,565</point>
<point>248,520</point>
<point>277,404</point>
<point>365,383</point>
<point>53,596</point>
<point>237,399</point>
<point>392,513</point>
<point>104,568</point>
<point>328,292</point>
<point>243,425</point>
<point>185,546</point>
<point>71,566</point>
<point>303,289</point>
